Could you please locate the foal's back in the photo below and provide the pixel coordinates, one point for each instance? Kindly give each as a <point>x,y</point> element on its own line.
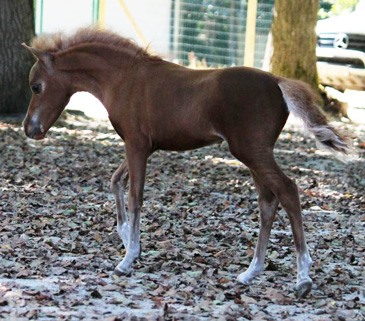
<point>188,109</point>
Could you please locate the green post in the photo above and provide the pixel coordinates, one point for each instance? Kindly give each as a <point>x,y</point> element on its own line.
<point>95,13</point>
<point>41,18</point>
<point>38,10</point>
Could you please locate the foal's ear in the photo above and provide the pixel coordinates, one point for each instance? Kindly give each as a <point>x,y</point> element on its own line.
<point>42,56</point>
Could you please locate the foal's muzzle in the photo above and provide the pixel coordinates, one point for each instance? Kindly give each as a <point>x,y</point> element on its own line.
<point>33,129</point>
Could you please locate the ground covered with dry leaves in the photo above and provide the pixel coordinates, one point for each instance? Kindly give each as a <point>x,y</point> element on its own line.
<point>59,246</point>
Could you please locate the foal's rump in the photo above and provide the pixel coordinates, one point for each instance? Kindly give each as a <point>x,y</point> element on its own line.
<point>252,110</point>
<point>256,104</point>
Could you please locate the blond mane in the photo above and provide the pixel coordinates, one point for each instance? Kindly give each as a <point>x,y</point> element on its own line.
<point>60,41</point>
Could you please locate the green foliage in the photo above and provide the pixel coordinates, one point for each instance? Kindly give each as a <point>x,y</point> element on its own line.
<point>329,8</point>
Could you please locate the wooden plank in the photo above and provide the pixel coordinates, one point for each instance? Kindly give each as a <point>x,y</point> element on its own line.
<point>250,33</point>
<point>101,18</point>
<point>133,23</point>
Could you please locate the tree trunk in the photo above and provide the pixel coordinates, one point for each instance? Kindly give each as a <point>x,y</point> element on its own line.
<point>16,26</point>
<point>294,40</point>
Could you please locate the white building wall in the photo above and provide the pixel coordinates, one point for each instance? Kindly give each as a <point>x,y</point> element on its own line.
<point>63,15</point>
<point>151,16</point>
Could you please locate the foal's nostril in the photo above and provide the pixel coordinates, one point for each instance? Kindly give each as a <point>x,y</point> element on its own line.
<point>32,128</point>
<point>33,132</point>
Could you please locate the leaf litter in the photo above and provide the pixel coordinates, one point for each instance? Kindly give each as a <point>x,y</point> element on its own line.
<point>200,222</point>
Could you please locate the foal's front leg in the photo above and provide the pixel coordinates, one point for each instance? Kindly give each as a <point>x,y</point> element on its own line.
<point>118,185</point>
<point>137,160</point>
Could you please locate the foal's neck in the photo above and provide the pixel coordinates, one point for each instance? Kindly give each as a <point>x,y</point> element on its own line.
<point>95,67</point>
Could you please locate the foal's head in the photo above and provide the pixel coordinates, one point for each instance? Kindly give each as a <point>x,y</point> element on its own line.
<point>52,78</point>
<point>51,92</point>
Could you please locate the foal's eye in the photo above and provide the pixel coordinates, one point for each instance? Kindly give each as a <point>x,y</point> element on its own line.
<point>36,88</point>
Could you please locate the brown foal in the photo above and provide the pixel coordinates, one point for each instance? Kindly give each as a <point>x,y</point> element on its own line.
<point>154,104</point>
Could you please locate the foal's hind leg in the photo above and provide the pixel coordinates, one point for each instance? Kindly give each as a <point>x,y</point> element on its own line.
<point>118,184</point>
<point>262,163</point>
<point>268,204</point>
<point>287,193</point>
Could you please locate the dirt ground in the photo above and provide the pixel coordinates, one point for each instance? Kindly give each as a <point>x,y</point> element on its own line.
<point>59,246</point>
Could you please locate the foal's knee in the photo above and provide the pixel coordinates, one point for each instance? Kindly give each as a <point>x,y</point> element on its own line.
<point>266,197</point>
<point>288,194</point>
<point>288,187</point>
<point>281,186</point>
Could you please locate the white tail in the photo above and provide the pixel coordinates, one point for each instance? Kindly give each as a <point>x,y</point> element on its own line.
<point>301,101</point>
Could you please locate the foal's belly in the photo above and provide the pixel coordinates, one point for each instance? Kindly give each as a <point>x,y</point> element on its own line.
<point>182,142</point>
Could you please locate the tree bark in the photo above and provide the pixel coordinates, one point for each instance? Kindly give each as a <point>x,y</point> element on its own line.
<point>294,40</point>
<point>16,26</point>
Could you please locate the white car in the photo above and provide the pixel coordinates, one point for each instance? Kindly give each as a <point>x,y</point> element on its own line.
<point>341,50</point>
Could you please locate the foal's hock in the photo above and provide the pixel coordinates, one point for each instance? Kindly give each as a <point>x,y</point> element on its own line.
<point>154,104</point>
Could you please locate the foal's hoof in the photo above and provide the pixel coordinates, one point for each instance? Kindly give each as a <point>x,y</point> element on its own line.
<point>245,278</point>
<point>122,272</point>
<point>303,288</point>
